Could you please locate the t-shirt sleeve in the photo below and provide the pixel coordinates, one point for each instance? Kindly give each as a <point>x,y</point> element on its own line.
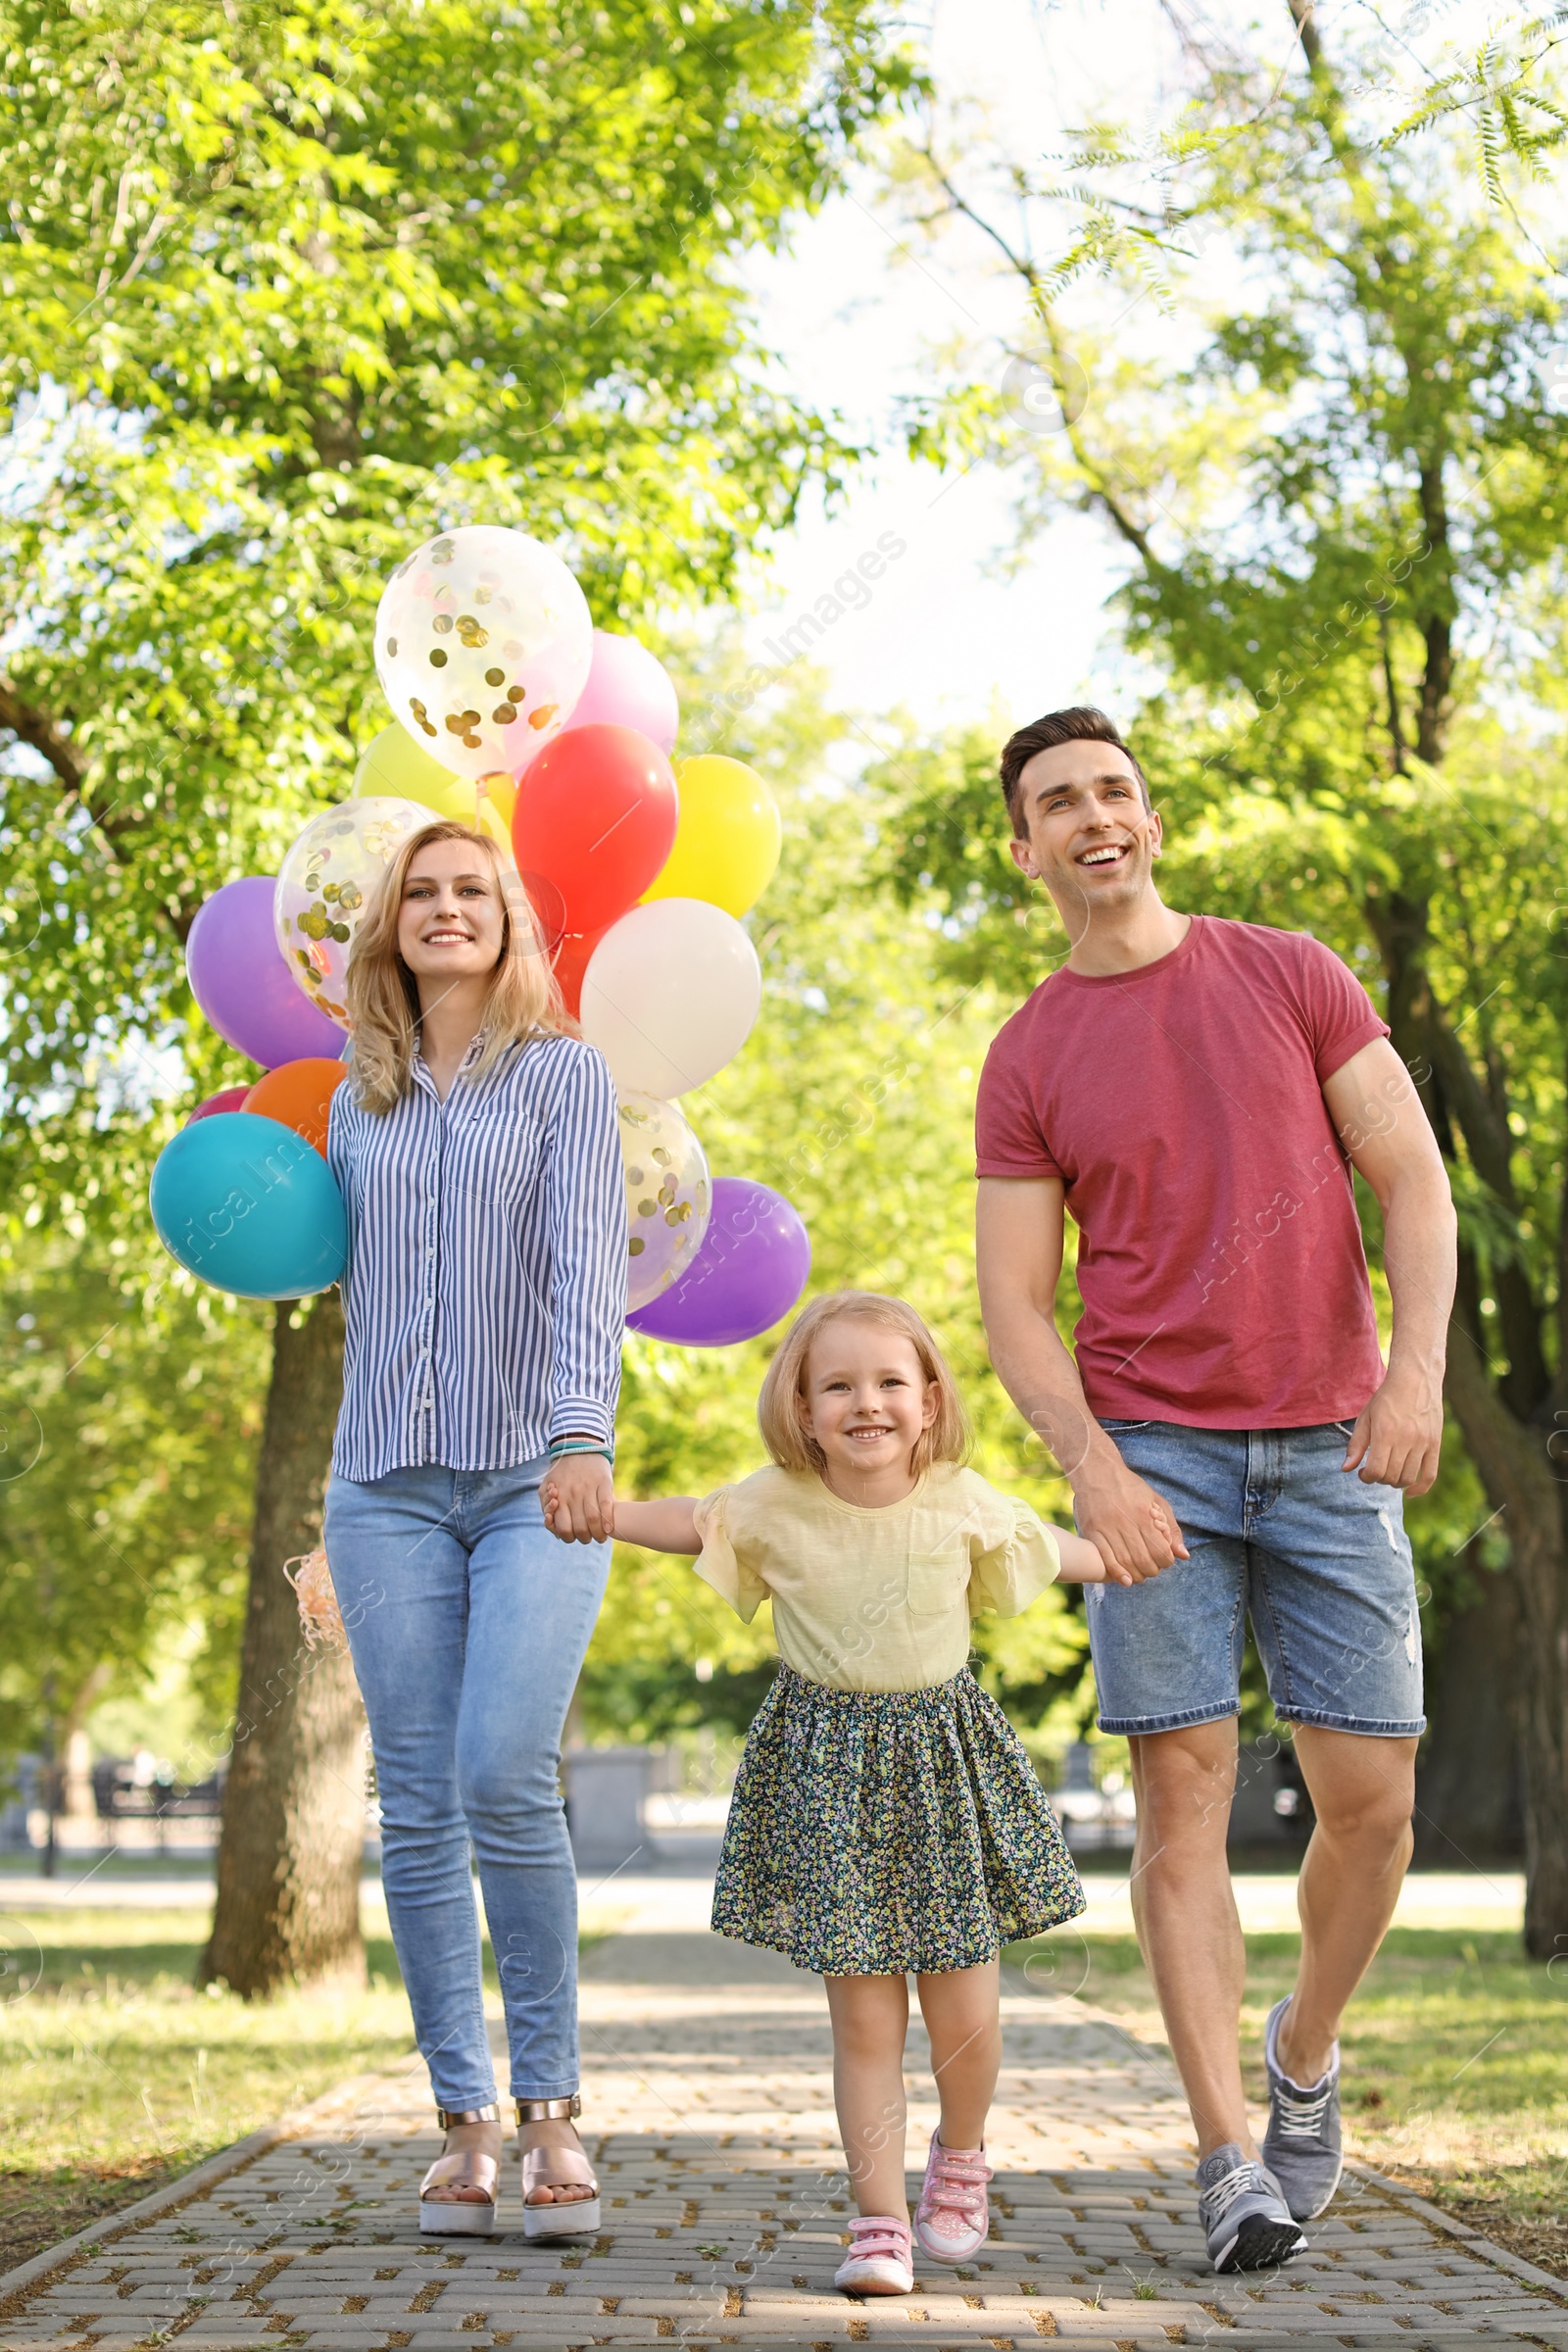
<point>722,1563</point>
<point>1340,1016</point>
<point>1008,1138</point>
<point>1012,1558</point>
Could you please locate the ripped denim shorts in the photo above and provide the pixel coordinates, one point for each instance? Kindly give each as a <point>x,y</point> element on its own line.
<point>1277,1532</point>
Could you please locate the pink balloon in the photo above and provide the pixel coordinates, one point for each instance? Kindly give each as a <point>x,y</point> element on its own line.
<point>233,1098</point>
<point>628,688</point>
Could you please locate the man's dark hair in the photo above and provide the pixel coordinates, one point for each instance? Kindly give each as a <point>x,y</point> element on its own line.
<point>1081,726</point>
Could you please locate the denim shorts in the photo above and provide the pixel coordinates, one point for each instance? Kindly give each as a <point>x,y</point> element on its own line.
<point>1279,1532</point>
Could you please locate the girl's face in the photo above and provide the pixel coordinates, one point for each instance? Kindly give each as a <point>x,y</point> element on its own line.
<point>450,925</point>
<point>866,1400</point>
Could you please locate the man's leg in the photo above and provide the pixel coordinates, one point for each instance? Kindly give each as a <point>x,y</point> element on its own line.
<point>1185,1914</point>
<point>1363,1794</point>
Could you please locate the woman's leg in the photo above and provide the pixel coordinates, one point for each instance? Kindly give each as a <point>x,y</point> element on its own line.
<point>401,1575</point>
<point>962,2012</point>
<point>870,2020</point>
<point>534,1601</point>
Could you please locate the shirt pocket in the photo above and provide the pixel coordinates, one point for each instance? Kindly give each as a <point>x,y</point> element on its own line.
<point>494,1164</point>
<point>935,1587</point>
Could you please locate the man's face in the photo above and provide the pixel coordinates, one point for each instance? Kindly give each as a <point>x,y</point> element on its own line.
<point>1090,839</point>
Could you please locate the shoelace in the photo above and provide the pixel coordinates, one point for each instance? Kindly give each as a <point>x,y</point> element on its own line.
<point>1301,2113</point>
<point>1221,2194</point>
<point>956,2184</point>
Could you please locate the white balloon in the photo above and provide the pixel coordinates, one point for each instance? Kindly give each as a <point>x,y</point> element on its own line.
<point>483,642</point>
<point>669,1197</point>
<point>671,993</point>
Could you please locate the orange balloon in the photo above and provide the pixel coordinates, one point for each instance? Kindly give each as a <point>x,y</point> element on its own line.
<point>298,1094</point>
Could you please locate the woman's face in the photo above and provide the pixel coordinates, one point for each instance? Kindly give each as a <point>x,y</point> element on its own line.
<point>451,922</point>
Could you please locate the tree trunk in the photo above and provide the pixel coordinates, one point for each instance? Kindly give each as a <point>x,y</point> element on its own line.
<point>1521,1477</point>
<point>288,1863</point>
<point>1467,1790</point>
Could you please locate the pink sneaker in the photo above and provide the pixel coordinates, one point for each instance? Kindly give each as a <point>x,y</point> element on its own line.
<point>881,2260</point>
<point>953,2213</point>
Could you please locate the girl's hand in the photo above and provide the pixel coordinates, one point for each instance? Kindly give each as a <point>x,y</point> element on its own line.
<point>579,1499</point>
<point>1082,1564</point>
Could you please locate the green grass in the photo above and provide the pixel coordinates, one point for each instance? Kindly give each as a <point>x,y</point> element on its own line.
<point>115,2074</point>
<point>1455,2057</point>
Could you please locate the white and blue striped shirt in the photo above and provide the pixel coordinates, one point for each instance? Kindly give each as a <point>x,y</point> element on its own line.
<point>485,1289</point>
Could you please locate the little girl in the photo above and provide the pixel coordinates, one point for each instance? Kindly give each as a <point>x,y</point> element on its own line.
<point>886,1818</point>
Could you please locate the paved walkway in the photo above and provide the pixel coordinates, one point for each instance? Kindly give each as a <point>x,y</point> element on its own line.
<point>707,2068</point>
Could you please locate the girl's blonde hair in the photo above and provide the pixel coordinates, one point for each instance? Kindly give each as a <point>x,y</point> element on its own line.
<point>778,1407</point>
<point>383,995</point>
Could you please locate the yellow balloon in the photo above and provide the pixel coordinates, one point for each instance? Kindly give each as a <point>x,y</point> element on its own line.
<point>727,840</point>
<point>394,764</point>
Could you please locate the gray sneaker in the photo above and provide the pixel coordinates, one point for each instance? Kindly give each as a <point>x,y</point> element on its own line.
<point>1244,2216</point>
<point>1302,2145</point>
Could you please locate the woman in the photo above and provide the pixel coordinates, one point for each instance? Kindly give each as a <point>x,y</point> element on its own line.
<point>475,1145</point>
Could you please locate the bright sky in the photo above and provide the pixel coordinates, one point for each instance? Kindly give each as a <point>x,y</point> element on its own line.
<point>948,628</point>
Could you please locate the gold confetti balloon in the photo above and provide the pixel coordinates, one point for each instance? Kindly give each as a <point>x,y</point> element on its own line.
<point>483,641</point>
<point>668,1196</point>
<point>327,881</point>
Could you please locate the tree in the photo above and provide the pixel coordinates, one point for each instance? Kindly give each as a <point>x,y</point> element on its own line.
<point>1339,491</point>
<point>281,297</point>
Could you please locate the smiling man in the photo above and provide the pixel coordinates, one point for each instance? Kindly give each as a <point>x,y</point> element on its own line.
<point>1197,1092</point>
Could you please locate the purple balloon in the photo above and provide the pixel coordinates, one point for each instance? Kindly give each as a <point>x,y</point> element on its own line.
<point>238,978</point>
<point>750,1270</point>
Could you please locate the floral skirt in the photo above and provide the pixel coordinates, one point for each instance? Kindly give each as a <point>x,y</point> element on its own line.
<point>877,1831</point>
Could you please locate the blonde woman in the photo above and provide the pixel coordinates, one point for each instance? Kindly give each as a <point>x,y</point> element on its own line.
<point>484,1294</point>
<point>886,1818</point>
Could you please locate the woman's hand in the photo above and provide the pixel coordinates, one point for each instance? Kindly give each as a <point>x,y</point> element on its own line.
<point>579,1498</point>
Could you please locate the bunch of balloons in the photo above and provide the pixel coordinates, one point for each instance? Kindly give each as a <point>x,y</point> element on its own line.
<point>513,713</point>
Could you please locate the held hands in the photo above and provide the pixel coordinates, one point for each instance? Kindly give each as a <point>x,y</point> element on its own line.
<point>1133,1529</point>
<point>1398,1434</point>
<point>579,1498</point>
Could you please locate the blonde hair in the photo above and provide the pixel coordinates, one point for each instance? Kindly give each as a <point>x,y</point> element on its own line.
<point>383,995</point>
<point>778,1407</point>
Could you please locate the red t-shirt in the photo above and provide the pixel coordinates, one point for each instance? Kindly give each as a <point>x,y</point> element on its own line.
<point>1219,1253</point>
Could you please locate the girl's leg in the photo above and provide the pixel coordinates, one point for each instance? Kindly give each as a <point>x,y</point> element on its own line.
<point>962,2013</point>
<point>532,1602</point>
<point>870,2020</point>
<point>401,1575</point>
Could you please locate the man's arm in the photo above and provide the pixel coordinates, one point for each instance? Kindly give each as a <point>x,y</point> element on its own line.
<point>1377,1116</point>
<point>1018,1244</point>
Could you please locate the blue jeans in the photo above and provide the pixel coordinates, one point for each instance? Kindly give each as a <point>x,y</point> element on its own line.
<point>1278,1532</point>
<point>469,1622</point>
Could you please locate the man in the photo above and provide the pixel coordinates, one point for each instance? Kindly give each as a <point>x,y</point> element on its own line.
<point>1197,1091</point>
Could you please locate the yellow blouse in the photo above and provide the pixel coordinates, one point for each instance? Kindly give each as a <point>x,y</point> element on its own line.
<point>873,1599</point>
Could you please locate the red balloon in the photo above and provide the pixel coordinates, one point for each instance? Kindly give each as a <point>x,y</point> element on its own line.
<point>233,1098</point>
<point>571,964</point>
<point>595,818</point>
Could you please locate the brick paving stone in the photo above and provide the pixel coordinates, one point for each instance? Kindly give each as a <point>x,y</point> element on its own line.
<point>708,2078</point>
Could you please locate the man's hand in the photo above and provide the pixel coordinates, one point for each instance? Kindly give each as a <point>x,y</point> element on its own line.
<point>579,1498</point>
<point>1398,1434</point>
<point>1133,1529</point>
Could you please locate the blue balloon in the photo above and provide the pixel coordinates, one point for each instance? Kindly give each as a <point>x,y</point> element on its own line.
<point>250,1207</point>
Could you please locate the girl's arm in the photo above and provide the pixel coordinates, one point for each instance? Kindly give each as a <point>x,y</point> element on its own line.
<point>669,1525</point>
<point>1082,1564</point>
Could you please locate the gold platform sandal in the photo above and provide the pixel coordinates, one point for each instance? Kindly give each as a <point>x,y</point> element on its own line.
<point>465,2169</point>
<point>557,2167</point>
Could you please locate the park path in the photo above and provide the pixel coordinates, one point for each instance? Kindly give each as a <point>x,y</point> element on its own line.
<point>708,2072</point>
